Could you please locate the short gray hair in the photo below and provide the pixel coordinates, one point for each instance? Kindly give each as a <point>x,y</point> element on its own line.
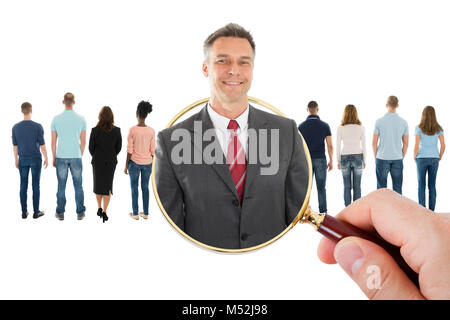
<point>230,30</point>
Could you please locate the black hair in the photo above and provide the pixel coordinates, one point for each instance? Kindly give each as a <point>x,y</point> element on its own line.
<point>143,109</point>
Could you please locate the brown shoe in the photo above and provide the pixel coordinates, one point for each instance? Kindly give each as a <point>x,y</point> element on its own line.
<point>134,216</point>
<point>143,215</point>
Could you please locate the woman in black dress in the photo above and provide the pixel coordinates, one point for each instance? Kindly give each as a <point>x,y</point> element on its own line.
<point>105,144</point>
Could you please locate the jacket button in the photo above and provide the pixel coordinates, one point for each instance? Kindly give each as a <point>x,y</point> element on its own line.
<point>244,236</point>
<point>236,202</point>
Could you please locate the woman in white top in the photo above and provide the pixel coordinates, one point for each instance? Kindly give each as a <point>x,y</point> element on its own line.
<point>351,153</point>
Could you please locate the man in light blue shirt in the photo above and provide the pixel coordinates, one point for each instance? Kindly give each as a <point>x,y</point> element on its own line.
<point>68,143</point>
<point>390,143</point>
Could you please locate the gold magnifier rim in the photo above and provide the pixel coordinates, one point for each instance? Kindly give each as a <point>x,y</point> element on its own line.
<point>293,223</point>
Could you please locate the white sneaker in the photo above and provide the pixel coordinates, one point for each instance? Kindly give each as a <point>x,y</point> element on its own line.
<point>143,216</point>
<point>134,216</point>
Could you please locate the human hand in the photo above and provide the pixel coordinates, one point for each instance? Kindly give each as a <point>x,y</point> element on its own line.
<point>424,238</point>
<point>339,166</point>
<point>126,170</point>
<point>17,163</point>
<point>54,162</point>
<point>45,163</point>
<point>330,165</point>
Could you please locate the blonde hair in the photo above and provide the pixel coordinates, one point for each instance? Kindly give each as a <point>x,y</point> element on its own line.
<point>350,115</point>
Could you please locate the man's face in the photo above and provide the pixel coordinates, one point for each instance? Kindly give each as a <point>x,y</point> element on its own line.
<point>229,67</point>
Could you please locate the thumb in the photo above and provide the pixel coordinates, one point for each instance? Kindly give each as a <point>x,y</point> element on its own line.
<point>374,270</point>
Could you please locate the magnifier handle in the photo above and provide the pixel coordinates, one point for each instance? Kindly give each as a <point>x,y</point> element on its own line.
<point>335,230</point>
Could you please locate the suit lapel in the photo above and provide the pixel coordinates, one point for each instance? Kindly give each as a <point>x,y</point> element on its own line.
<point>222,170</point>
<point>255,122</point>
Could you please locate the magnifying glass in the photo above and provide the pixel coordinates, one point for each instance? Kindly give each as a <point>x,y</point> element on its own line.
<point>332,228</point>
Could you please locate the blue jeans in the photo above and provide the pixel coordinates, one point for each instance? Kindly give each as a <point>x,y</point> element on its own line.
<point>62,170</point>
<point>319,167</point>
<point>430,166</point>
<point>395,167</point>
<point>352,167</point>
<point>144,171</point>
<point>25,165</point>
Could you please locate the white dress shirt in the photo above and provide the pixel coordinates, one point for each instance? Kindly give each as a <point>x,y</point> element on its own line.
<point>353,139</point>
<point>220,124</point>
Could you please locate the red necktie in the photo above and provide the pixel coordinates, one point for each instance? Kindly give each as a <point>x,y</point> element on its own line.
<point>236,160</point>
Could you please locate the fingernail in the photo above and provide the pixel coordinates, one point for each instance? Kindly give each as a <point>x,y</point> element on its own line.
<point>350,257</point>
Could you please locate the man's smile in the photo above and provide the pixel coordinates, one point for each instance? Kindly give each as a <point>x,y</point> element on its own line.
<point>232,83</point>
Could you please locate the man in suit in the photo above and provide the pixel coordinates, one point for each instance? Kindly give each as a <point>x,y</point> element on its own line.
<point>242,201</point>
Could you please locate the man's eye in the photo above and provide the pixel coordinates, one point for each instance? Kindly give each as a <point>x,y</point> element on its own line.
<point>221,61</point>
<point>245,62</point>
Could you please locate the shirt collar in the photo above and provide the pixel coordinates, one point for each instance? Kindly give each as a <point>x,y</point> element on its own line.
<point>313,116</point>
<point>221,122</point>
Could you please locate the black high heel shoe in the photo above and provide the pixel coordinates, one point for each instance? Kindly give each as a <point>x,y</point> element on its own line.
<point>105,217</point>
<point>99,212</point>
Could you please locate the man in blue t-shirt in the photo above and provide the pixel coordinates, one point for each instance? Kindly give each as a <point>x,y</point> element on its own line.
<point>316,132</point>
<point>68,143</point>
<point>390,143</point>
<point>28,143</point>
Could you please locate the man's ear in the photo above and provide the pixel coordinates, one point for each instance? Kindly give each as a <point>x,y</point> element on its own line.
<point>205,69</point>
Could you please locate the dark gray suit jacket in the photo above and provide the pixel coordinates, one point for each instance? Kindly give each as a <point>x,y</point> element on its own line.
<point>201,199</point>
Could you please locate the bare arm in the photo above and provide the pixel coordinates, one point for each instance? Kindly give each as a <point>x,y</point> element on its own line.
<point>330,152</point>
<point>338,147</point>
<point>16,156</point>
<point>44,152</point>
<point>442,141</point>
<point>130,146</point>
<point>375,144</point>
<point>405,140</point>
<point>416,146</point>
<point>82,141</point>
<point>54,139</point>
<point>153,145</point>
<point>127,161</point>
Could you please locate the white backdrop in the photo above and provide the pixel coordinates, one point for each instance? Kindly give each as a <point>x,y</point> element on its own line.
<point>118,52</point>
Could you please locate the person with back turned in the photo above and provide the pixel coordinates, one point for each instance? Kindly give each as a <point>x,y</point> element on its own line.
<point>427,155</point>
<point>68,143</point>
<point>28,143</point>
<point>390,143</point>
<point>141,146</point>
<point>105,144</point>
<point>316,132</point>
